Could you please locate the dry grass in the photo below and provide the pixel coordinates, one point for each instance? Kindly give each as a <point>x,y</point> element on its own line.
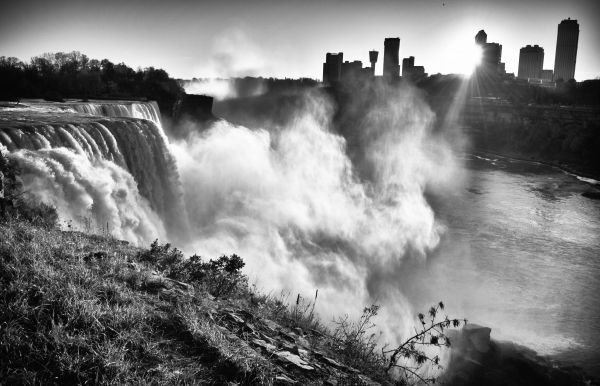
<point>81,309</point>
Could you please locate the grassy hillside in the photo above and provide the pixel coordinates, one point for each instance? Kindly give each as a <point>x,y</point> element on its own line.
<point>85,309</point>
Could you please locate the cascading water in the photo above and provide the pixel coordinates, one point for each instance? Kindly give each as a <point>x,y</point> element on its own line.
<point>143,110</point>
<point>123,142</point>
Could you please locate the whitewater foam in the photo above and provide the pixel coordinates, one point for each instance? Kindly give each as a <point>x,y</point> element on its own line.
<point>127,135</point>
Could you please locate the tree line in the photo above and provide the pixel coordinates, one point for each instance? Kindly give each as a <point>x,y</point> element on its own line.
<point>55,76</point>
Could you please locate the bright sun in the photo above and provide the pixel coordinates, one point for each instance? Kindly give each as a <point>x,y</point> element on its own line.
<point>461,57</point>
<point>472,55</point>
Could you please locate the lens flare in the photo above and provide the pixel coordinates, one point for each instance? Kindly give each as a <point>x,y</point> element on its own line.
<point>473,56</point>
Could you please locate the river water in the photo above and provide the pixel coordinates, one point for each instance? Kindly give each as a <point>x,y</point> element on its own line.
<point>521,254</point>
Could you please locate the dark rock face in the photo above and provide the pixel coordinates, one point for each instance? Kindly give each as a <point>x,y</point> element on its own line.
<point>192,113</point>
<point>478,360</point>
<point>194,107</point>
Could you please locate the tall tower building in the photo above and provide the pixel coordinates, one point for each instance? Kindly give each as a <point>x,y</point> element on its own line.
<point>332,68</point>
<point>373,59</point>
<point>481,37</point>
<point>391,64</point>
<point>407,66</point>
<point>531,62</point>
<point>566,50</point>
<point>491,55</point>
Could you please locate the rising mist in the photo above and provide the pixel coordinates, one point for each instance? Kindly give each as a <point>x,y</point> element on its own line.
<point>307,210</point>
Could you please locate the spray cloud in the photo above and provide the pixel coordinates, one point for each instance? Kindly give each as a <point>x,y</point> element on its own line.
<point>308,209</point>
<point>233,54</point>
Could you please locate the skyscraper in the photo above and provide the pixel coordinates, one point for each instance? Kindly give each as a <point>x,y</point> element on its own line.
<point>481,37</point>
<point>566,50</point>
<point>391,64</point>
<point>492,54</point>
<point>531,62</point>
<point>332,68</point>
<point>491,60</point>
<point>407,65</point>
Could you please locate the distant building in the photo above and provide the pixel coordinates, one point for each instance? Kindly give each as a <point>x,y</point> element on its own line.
<point>501,68</point>
<point>481,37</point>
<point>492,53</point>
<point>491,61</point>
<point>332,68</point>
<point>407,64</point>
<point>531,62</point>
<point>541,83</point>
<point>351,71</point>
<point>373,55</point>
<point>546,75</point>
<point>410,71</point>
<point>335,70</point>
<point>418,72</point>
<point>391,65</point>
<point>566,50</point>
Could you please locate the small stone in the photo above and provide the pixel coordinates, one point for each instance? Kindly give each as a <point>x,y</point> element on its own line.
<point>249,328</point>
<point>288,357</point>
<point>299,351</point>
<point>246,315</point>
<point>302,342</point>
<point>287,337</point>
<point>266,346</point>
<point>285,346</point>
<point>234,318</point>
<point>332,362</point>
<point>331,381</point>
<point>271,325</point>
<point>283,379</point>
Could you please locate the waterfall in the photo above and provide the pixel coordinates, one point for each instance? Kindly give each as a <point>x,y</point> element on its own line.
<point>143,110</point>
<point>128,135</point>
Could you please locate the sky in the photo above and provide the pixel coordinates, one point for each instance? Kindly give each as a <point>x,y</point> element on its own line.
<point>289,38</point>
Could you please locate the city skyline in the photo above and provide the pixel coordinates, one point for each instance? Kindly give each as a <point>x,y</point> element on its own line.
<point>290,39</point>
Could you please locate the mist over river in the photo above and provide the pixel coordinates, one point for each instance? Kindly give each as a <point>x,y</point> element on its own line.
<point>521,254</point>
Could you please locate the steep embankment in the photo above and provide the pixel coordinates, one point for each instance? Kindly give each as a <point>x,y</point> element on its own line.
<point>90,309</point>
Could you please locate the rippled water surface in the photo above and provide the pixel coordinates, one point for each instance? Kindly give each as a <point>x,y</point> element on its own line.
<point>521,254</point>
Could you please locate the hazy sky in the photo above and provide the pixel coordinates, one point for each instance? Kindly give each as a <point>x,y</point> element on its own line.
<point>288,37</point>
